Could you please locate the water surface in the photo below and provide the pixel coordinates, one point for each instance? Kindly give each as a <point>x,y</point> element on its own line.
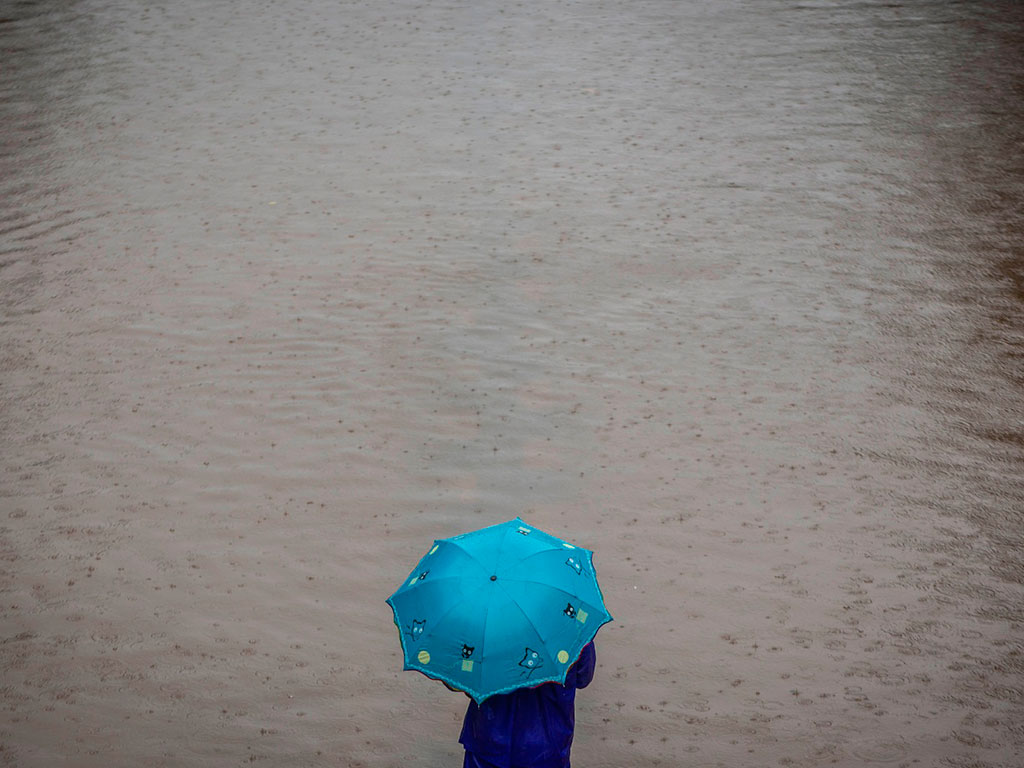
<point>728,292</point>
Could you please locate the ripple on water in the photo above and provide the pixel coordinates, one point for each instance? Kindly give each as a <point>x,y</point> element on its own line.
<point>951,588</point>
<point>885,676</point>
<point>874,751</point>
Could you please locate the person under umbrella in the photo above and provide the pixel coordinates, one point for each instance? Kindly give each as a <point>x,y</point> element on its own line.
<point>507,614</point>
<point>530,727</point>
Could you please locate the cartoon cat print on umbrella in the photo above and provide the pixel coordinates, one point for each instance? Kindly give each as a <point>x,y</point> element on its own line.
<point>531,662</point>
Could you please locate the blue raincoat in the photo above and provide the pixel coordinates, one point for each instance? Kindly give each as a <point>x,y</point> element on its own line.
<point>530,727</point>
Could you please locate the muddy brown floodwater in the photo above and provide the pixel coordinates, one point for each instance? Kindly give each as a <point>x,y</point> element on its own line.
<point>728,292</point>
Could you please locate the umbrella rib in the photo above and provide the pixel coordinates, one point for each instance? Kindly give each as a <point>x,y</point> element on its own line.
<point>487,614</point>
<point>454,605</point>
<point>512,601</point>
<point>501,547</point>
<point>437,579</point>
<point>483,639</point>
<point>568,594</point>
<point>552,549</point>
<point>547,584</point>
<point>471,556</point>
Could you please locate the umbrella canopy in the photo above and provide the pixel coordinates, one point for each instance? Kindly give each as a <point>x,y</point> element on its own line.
<point>501,608</point>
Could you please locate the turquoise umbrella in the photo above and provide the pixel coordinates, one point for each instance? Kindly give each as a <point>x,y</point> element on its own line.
<point>501,608</point>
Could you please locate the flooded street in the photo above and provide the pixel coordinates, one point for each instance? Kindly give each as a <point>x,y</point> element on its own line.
<point>728,292</point>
